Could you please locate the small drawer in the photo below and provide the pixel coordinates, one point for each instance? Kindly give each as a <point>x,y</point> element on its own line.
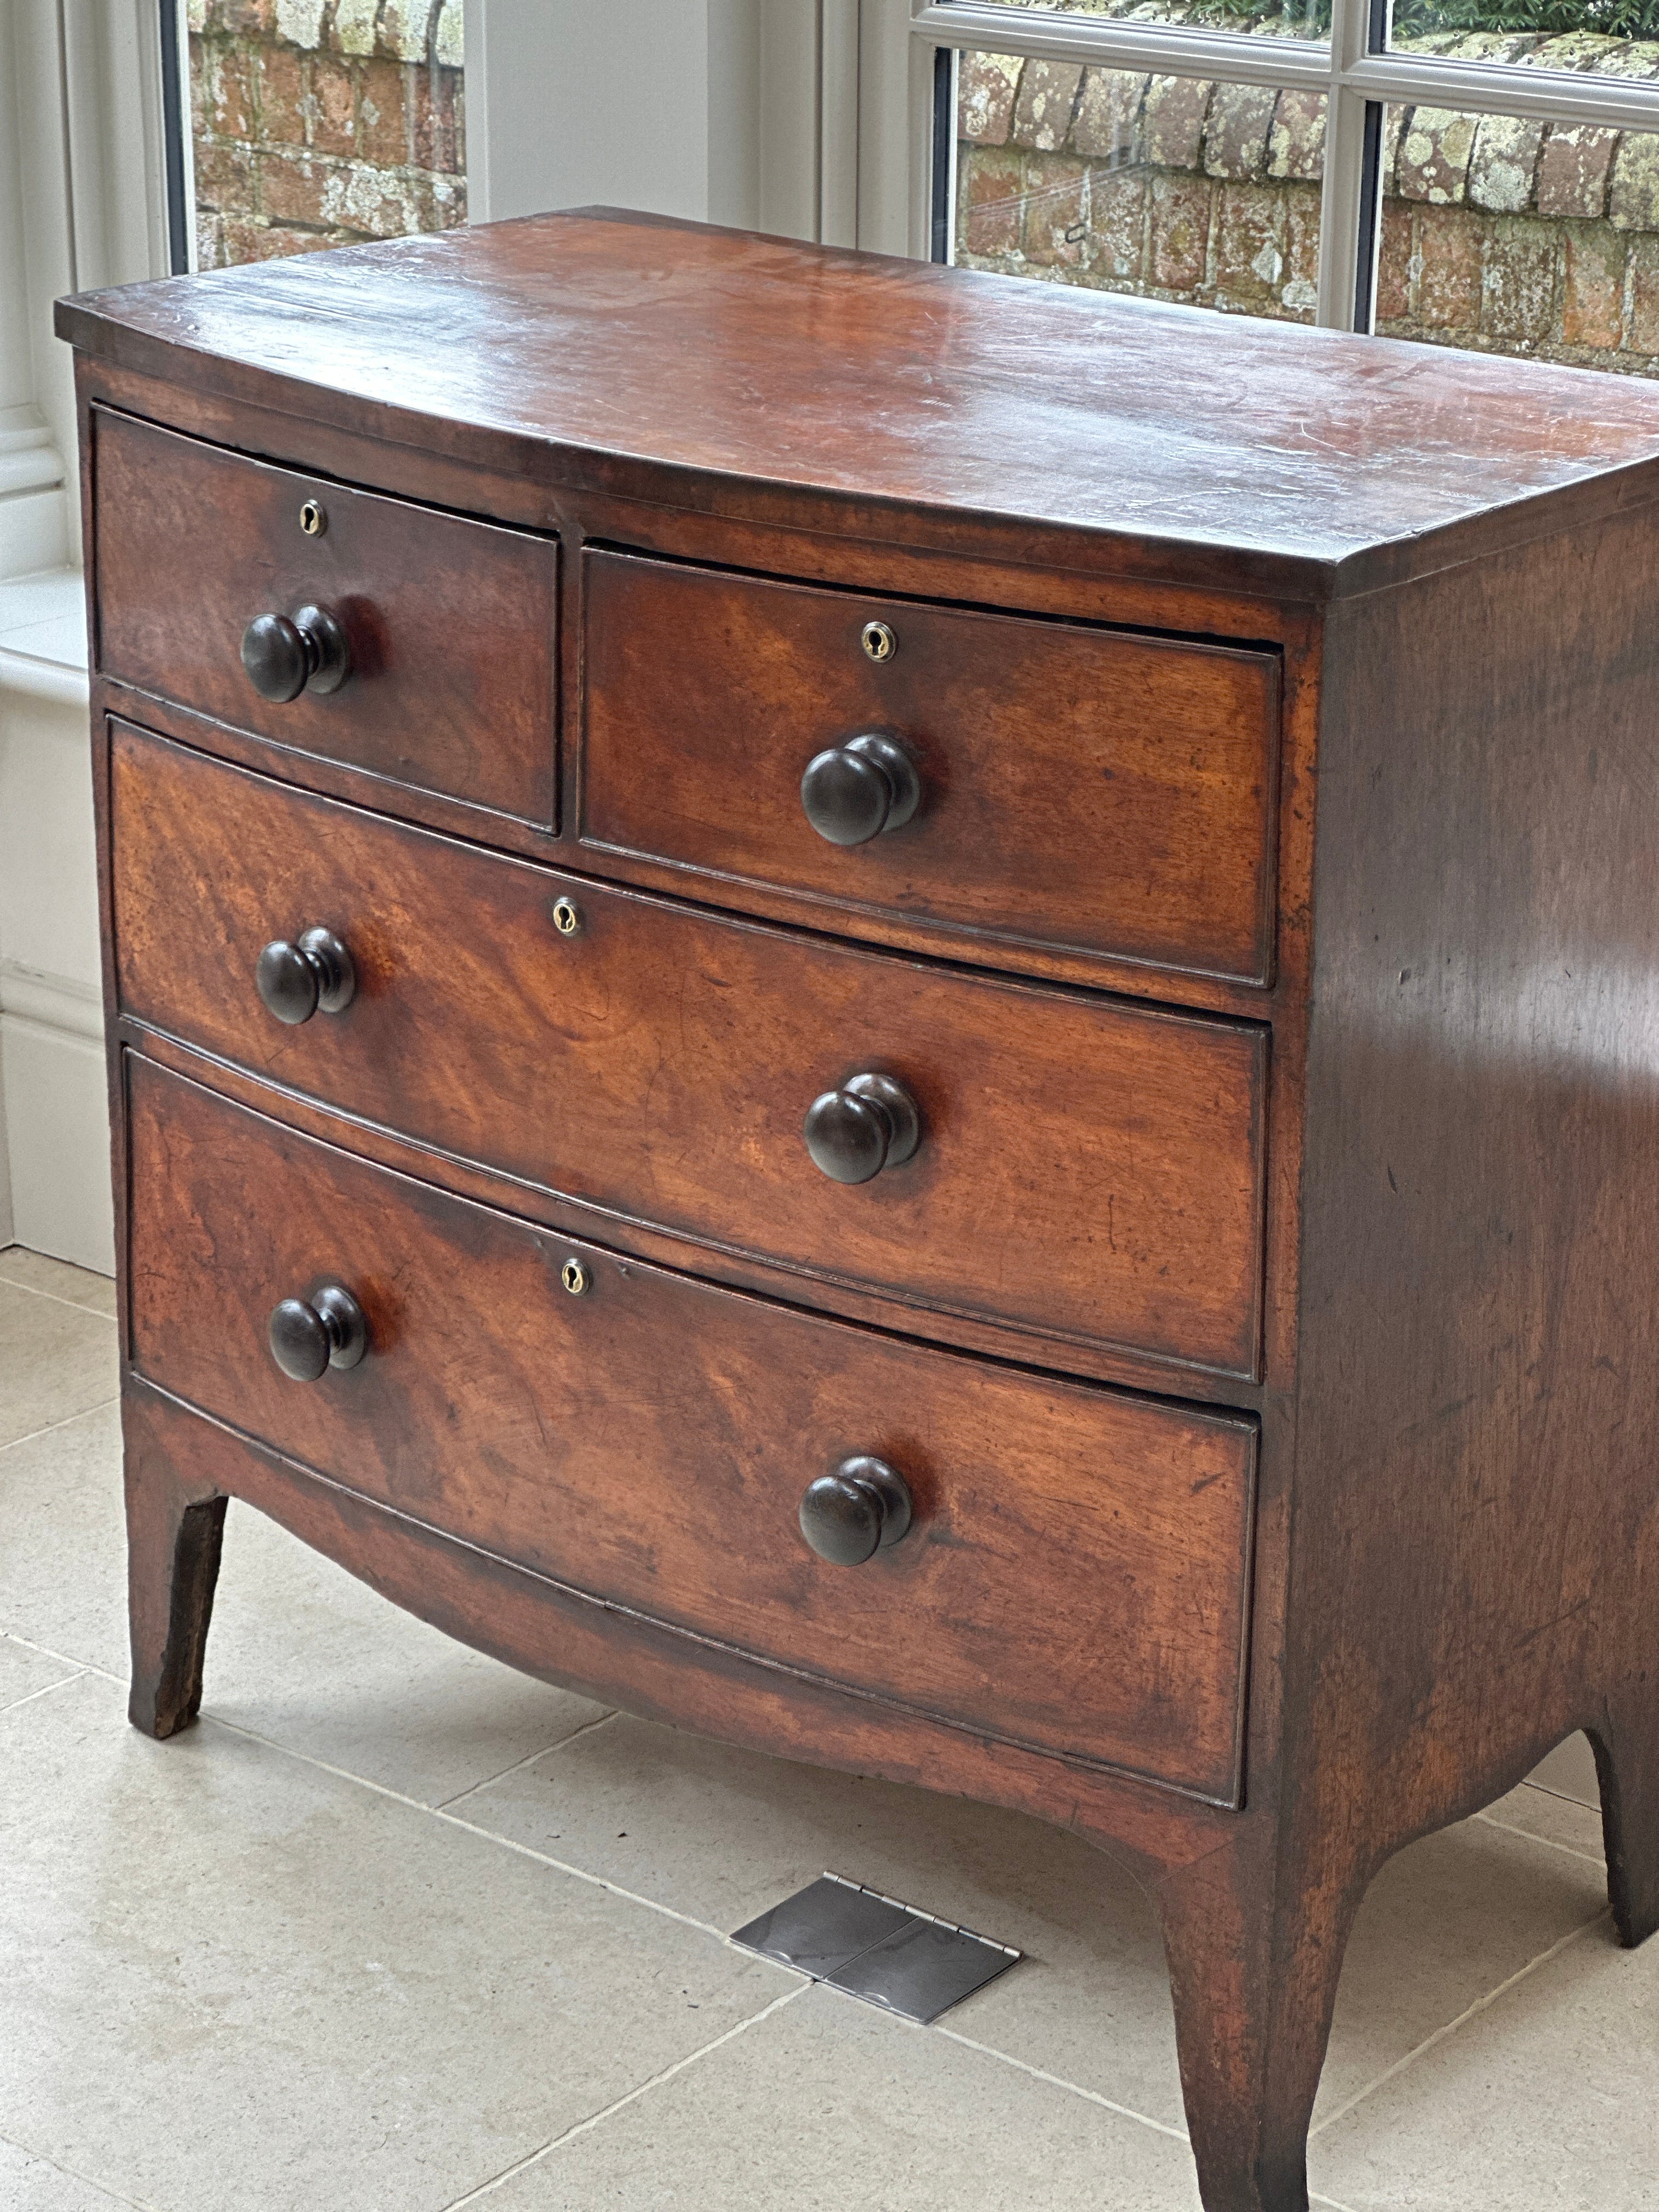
<point>1075,1571</point>
<point>1076,790</point>
<point>449,626</point>
<point>1081,1166</point>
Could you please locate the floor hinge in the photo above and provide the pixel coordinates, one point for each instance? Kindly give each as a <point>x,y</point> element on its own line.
<point>893,1956</point>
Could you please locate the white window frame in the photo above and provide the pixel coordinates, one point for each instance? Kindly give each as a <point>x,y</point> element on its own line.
<point>1352,70</point>
<point>82,205</point>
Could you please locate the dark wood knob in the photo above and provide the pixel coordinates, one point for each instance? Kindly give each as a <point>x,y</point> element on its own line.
<point>859,1510</point>
<point>310,1335</point>
<point>284,657</point>
<point>871,1123</point>
<point>857,790</point>
<point>296,980</point>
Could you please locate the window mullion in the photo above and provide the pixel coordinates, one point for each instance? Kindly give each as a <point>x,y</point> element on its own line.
<point>1348,216</point>
<point>1185,50</point>
<point>1171,49</point>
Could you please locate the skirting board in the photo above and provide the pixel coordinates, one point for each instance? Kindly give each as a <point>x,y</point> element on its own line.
<point>55,1124</point>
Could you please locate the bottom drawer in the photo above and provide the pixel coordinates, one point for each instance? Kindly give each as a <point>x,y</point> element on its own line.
<point>1076,1573</point>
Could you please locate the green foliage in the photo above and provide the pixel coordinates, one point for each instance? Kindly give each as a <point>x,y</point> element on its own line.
<point>1549,19</point>
<point>1546,19</point>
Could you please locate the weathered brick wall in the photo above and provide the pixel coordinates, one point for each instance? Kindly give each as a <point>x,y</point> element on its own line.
<point>321,122</point>
<point>1498,233</point>
<point>1186,190</point>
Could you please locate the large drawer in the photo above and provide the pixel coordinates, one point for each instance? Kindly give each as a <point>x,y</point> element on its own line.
<point>1076,1574</point>
<point>1087,1168</point>
<point>1082,790</point>
<point>451,624</point>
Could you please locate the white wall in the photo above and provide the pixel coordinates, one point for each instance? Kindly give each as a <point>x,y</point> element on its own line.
<point>80,205</point>
<point>52,1053</point>
<point>798,117</point>
<point>34,511</point>
<point>566,85</point>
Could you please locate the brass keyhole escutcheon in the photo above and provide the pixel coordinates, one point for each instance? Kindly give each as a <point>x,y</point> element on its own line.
<point>574,1276</point>
<point>878,641</point>
<point>567,917</point>
<point>313,517</point>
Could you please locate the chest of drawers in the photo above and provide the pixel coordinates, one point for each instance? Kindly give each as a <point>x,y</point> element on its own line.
<point>910,1018</point>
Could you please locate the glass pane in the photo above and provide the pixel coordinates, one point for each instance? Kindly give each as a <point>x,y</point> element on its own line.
<point>326,127</point>
<point>1278,19</point>
<point>1520,237</point>
<point>1606,37</point>
<point>1168,187</point>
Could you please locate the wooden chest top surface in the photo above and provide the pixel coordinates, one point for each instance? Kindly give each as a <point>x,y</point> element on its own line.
<point>1321,462</point>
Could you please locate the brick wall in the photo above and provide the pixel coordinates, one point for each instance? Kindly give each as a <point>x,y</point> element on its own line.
<point>1498,233</point>
<point>322,122</point>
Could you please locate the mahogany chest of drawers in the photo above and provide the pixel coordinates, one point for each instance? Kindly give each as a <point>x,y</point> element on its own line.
<point>907,1017</point>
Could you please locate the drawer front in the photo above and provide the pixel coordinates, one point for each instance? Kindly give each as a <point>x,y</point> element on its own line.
<point>1075,1575</point>
<point>451,625</point>
<point>1082,791</point>
<point>1086,1167</point>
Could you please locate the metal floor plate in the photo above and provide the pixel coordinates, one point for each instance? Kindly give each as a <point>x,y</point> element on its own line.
<point>872,1947</point>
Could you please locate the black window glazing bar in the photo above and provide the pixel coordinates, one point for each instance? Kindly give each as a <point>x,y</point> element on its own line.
<point>1370,216</point>
<point>1377,14</point>
<point>172,135</point>
<point>944,118</point>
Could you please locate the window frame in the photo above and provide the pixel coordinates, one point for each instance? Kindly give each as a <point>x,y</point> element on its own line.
<point>1357,74</point>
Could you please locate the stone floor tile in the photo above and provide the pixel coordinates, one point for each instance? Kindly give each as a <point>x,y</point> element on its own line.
<point>830,2105</point>
<point>235,1980</point>
<point>63,1565</point>
<point>1443,1925</point>
<point>719,1834</point>
<point>299,1651</point>
<point>57,1278</point>
<point>24,1674</point>
<point>1562,1821</point>
<point>1569,1772</point>
<point>1544,2102</point>
<point>28,2184</point>
<point>56,1360</point>
<point>302,1653</point>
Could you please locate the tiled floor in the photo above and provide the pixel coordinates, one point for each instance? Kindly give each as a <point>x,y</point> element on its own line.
<point>395,1930</point>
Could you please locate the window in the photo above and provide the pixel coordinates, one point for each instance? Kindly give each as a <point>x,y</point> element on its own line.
<point>1126,181</point>
<point>322,123</point>
<point>1510,234</point>
<point>1475,172</point>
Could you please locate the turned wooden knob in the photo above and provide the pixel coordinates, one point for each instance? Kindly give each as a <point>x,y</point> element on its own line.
<point>284,657</point>
<point>310,1335</point>
<point>860,1510</point>
<point>295,981</point>
<point>859,790</point>
<point>869,1123</point>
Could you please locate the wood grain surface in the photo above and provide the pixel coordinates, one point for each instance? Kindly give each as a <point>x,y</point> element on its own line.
<point>1448,1554</point>
<point>1087,1167</point>
<point>182,1459</point>
<point>1075,1579</point>
<point>452,623</point>
<point>717,367</point>
<point>1082,790</point>
<point>1478,1295</point>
